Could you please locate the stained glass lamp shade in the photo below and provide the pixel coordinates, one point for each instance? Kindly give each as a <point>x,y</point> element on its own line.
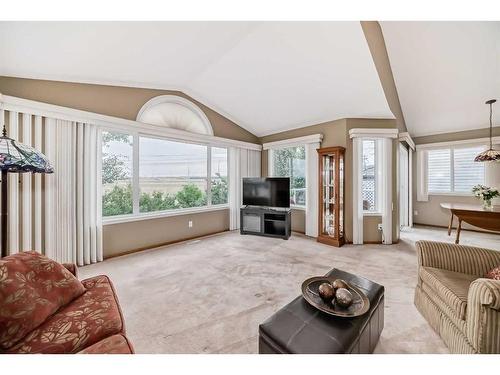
<point>490,154</point>
<point>17,158</point>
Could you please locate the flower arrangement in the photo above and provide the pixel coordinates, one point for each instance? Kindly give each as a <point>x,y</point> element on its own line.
<point>485,193</point>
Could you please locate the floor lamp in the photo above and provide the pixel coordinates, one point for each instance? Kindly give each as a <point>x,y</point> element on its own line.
<point>17,158</point>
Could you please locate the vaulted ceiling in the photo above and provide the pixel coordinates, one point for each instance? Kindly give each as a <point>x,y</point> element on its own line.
<point>265,76</point>
<point>275,76</point>
<point>444,72</point>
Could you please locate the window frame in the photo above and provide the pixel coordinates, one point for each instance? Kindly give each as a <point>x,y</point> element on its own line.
<point>378,160</point>
<point>136,214</point>
<point>270,169</point>
<point>451,149</point>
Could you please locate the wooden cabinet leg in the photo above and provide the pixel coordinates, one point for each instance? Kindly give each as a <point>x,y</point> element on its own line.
<point>457,240</point>
<point>451,224</point>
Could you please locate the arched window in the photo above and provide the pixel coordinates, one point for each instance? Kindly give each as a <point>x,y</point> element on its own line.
<point>175,112</point>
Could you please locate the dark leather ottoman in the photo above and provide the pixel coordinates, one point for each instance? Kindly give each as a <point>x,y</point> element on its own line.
<point>302,329</point>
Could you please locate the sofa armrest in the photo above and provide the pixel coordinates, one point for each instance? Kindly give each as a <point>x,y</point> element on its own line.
<point>483,315</point>
<point>457,258</point>
<point>71,267</point>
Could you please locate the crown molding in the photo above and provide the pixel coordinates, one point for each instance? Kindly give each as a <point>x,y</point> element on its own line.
<point>373,133</point>
<point>405,137</point>
<point>464,142</point>
<point>314,138</point>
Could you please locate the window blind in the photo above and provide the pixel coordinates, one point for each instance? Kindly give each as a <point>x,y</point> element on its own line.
<point>439,171</point>
<point>467,173</point>
<point>454,170</point>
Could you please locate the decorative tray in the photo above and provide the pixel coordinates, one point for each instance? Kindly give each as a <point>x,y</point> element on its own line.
<point>360,303</point>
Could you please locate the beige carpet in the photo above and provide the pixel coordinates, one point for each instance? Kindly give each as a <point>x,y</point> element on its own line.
<point>209,296</point>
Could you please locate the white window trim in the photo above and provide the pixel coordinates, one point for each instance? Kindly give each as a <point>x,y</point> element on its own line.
<point>422,161</point>
<point>378,179</point>
<point>384,137</point>
<point>291,142</point>
<point>175,99</point>
<point>110,220</point>
<point>137,215</point>
<point>405,137</point>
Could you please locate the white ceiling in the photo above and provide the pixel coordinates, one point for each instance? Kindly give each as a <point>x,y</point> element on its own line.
<point>267,77</point>
<point>444,72</point>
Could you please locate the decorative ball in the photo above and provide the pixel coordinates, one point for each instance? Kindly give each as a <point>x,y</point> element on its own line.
<point>326,291</point>
<point>343,297</point>
<point>338,283</point>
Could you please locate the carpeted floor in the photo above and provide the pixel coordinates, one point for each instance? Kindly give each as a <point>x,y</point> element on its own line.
<point>209,295</point>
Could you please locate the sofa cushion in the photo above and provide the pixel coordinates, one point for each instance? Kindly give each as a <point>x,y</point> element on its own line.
<point>90,318</point>
<point>451,287</point>
<point>444,308</point>
<point>32,288</point>
<point>116,344</point>
<point>494,274</point>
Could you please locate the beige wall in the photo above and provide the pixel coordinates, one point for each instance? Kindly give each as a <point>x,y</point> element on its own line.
<point>299,221</point>
<point>125,102</point>
<point>336,133</point>
<point>430,212</point>
<point>126,237</point>
<point>457,136</point>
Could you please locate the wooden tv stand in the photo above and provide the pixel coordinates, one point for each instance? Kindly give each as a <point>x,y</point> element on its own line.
<point>265,221</point>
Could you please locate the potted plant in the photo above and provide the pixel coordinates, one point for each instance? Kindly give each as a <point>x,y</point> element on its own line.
<point>486,194</point>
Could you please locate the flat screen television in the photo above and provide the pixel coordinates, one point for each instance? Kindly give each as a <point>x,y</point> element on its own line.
<point>270,192</point>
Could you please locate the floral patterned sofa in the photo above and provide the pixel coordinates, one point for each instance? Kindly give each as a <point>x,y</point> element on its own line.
<point>44,308</point>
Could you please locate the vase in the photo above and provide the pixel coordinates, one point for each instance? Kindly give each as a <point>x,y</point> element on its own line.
<point>487,204</point>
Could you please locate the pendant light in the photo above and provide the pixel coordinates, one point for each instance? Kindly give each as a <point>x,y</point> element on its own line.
<point>490,154</point>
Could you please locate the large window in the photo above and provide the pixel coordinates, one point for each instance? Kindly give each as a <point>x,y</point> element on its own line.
<point>453,170</point>
<point>218,183</point>
<point>369,173</point>
<point>291,162</point>
<point>116,174</point>
<point>170,175</point>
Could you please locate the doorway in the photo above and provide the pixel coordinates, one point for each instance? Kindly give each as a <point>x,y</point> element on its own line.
<point>404,187</point>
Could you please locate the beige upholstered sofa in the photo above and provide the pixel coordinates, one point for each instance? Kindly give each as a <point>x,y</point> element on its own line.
<point>455,298</point>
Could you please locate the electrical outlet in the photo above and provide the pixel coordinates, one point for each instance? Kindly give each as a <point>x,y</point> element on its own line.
<point>415,213</point>
<point>190,223</point>
<point>379,227</point>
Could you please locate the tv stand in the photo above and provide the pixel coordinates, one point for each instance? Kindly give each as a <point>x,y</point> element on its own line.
<point>266,221</point>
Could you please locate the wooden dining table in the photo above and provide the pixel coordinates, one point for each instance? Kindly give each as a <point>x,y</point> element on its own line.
<point>473,214</point>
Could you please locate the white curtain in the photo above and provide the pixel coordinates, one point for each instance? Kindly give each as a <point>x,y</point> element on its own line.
<point>57,214</point>
<point>242,163</point>
<point>312,203</point>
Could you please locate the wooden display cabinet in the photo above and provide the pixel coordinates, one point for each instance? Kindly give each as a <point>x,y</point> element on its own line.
<point>331,196</point>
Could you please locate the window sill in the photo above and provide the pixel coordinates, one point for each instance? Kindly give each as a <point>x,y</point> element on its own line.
<point>301,208</point>
<point>159,215</point>
<point>453,194</point>
<point>374,213</point>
